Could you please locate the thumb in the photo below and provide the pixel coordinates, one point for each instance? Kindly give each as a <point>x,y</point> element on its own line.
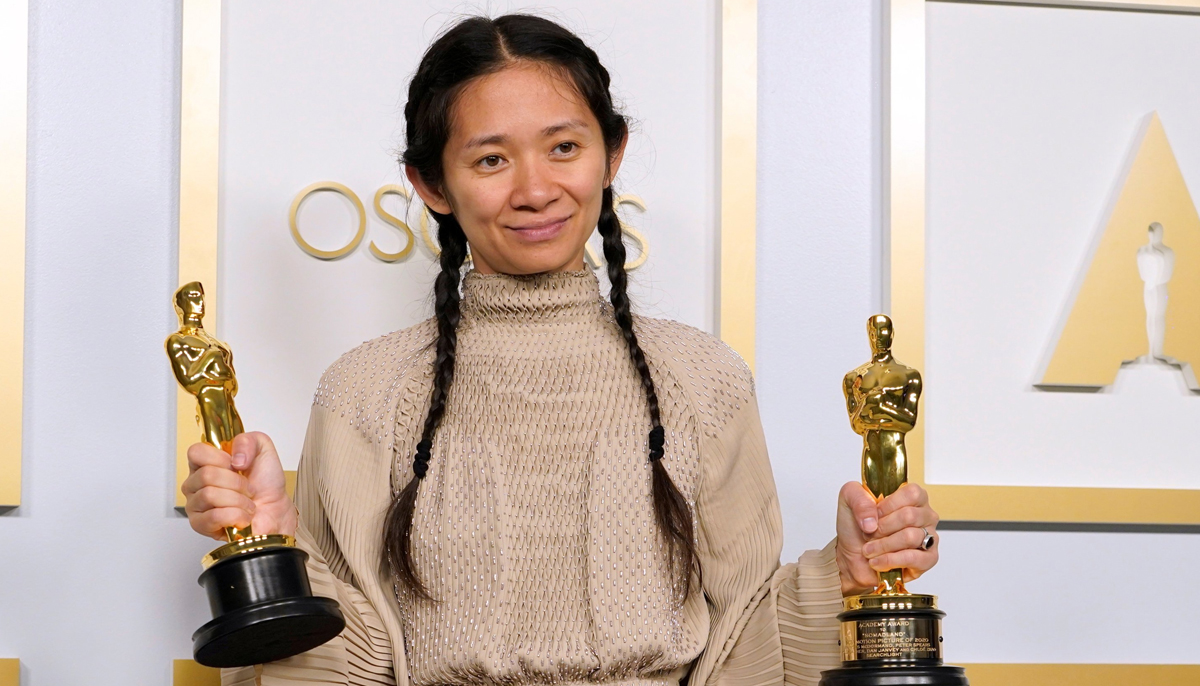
<point>246,447</point>
<point>862,505</point>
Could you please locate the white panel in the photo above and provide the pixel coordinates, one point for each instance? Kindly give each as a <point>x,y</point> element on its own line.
<point>1076,598</point>
<point>818,247</point>
<point>1023,597</point>
<point>314,91</point>
<point>1032,113</point>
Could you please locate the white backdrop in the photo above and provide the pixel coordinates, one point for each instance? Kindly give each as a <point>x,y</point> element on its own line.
<point>314,91</point>
<point>1032,114</point>
<point>97,584</point>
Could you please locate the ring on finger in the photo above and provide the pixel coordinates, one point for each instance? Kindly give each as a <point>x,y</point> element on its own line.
<point>928,541</point>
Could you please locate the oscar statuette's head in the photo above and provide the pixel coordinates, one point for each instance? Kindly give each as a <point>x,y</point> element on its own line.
<point>189,302</point>
<point>1156,234</point>
<point>879,330</point>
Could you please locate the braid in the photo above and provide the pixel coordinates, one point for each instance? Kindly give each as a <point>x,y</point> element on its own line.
<point>474,47</point>
<point>670,507</point>
<point>398,525</point>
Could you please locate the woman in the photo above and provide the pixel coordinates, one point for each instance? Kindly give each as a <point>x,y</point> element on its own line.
<point>535,486</point>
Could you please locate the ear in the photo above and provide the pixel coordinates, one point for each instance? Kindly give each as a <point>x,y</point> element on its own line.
<point>431,196</point>
<point>614,162</point>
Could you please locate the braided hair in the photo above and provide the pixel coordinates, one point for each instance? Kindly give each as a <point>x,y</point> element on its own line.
<point>474,47</point>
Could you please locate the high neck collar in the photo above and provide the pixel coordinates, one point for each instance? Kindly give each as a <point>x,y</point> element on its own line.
<point>551,296</point>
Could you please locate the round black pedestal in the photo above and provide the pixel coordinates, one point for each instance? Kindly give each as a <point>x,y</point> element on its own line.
<point>933,675</point>
<point>263,610</point>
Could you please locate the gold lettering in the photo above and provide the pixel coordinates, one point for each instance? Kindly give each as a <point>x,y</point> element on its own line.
<point>425,235</point>
<point>410,240</point>
<point>643,244</point>
<point>349,195</point>
<point>596,262</point>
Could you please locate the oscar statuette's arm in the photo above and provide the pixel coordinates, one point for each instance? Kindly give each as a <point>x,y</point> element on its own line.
<point>188,372</point>
<point>912,396</point>
<point>905,415</point>
<point>904,418</point>
<point>851,388</point>
<point>227,352</point>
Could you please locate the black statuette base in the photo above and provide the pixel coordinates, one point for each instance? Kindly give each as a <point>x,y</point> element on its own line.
<point>899,675</point>
<point>892,641</point>
<point>263,610</point>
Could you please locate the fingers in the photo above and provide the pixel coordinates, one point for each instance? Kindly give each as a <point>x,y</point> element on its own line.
<point>911,537</point>
<point>914,560</point>
<point>862,505</point>
<point>216,477</point>
<point>213,498</point>
<point>202,455</point>
<point>217,498</point>
<point>217,495</point>
<point>213,522</point>
<point>908,495</point>
<point>910,508</point>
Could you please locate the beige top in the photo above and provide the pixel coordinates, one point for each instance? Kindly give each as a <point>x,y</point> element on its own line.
<point>534,528</point>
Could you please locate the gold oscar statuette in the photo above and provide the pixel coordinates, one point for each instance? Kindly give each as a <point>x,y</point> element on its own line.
<point>257,585</point>
<point>889,636</point>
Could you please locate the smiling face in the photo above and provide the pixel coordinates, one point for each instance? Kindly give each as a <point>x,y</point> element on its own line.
<point>524,171</point>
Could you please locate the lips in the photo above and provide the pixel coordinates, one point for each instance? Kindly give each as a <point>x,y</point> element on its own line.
<point>540,231</point>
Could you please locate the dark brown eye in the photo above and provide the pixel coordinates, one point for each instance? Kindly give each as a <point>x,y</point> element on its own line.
<point>569,147</point>
<point>491,161</point>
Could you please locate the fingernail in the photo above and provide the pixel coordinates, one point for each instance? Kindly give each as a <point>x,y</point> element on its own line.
<point>868,551</point>
<point>239,460</point>
<point>253,507</point>
<point>869,524</point>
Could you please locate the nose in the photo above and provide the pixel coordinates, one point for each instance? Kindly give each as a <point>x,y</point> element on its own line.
<point>534,187</point>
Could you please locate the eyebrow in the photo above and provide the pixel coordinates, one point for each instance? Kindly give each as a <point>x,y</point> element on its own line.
<point>498,138</point>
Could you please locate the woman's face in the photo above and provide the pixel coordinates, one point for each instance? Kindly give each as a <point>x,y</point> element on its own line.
<point>524,171</point>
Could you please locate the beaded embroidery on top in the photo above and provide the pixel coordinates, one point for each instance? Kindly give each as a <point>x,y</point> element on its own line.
<point>534,527</point>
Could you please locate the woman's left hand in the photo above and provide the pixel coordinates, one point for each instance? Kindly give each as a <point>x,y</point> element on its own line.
<point>875,537</point>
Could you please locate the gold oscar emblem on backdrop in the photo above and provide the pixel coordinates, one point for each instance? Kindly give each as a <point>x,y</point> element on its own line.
<point>1119,314</point>
<point>889,636</point>
<point>258,589</point>
<point>399,222</point>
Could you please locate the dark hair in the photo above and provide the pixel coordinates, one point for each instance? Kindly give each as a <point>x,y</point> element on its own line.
<point>472,48</point>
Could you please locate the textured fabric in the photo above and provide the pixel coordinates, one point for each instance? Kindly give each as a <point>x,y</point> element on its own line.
<point>534,527</point>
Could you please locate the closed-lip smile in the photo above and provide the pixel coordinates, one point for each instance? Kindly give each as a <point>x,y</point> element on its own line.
<point>540,231</point>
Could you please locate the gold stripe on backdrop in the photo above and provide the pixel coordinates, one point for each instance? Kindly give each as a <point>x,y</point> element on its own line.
<point>1083,675</point>
<point>191,673</point>
<point>739,126</point>
<point>14,71</point>
<point>905,149</point>
<point>199,142</point>
<point>1169,6</point>
<point>10,672</point>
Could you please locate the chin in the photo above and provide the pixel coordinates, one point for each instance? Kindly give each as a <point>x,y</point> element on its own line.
<point>527,259</point>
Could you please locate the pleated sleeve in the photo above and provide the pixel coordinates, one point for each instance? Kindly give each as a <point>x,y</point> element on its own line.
<point>769,624</point>
<point>338,514</point>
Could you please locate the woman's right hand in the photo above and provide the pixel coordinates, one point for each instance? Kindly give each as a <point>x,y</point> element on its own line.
<point>218,496</point>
